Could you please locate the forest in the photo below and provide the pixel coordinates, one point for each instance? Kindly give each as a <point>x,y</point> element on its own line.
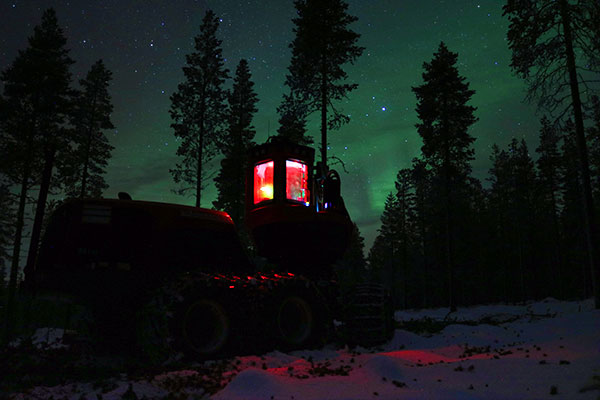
<point>529,231</point>
<point>465,282</point>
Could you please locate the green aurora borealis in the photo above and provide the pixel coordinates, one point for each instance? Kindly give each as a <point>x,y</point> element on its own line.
<point>144,42</point>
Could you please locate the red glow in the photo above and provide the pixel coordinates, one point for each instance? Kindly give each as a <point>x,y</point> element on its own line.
<point>231,287</point>
<point>296,178</point>
<point>290,274</point>
<point>263,181</point>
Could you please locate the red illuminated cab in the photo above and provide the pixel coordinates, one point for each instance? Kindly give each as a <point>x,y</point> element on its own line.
<point>282,210</point>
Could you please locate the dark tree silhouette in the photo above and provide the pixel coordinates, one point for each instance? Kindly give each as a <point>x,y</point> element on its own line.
<point>198,109</point>
<point>34,114</point>
<point>323,44</point>
<point>292,122</point>
<point>406,232</point>
<point>421,179</point>
<point>52,99</point>
<point>549,165</point>
<point>522,186</point>
<point>351,268</point>
<point>511,196</point>
<point>19,160</point>
<point>575,250</point>
<point>445,119</point>
<point>91,116</point>
<point>555,48</point>
<point>500,198</point>
<point>6,227</point>
<point>383,253</point>
<point>235,145</point>
<point>593,135</point>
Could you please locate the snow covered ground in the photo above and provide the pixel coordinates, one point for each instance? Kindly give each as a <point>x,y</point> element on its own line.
<point>543,350</point>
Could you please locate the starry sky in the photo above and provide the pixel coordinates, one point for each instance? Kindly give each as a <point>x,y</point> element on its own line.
<point>144,42</point>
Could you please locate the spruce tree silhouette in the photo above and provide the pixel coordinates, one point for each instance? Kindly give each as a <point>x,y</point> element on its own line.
<point>322,45</point>
<point>86,164</point>
<point>445,120</point>
<point>198,109</point>
<point>292,122</point>
<point>235,144</point>
<point>550,202</point>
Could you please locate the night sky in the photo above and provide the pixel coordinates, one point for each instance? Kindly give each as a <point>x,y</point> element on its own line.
<point>144,42</point>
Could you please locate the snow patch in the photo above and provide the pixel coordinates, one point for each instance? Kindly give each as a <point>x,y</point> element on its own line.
<point>383,366</point>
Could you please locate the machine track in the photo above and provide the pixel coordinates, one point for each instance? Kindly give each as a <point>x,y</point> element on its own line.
<point>202,315</point>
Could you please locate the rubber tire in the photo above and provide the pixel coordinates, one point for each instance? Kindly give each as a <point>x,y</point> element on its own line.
<point>301,320</point>
<point>205,327</point>
<point>295,320</point>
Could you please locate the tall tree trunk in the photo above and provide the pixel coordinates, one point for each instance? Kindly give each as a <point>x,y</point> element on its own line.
<point>199,167</point>
<point>557,244</point>
<point>422,233</point>
<point>449,261</point>
<point>14,268</point>
<point>448,225</point>
<point>588,204</point>
<point>86,161</point>
<point>521,266</point>
<point>324,115</point>
<point>200,148</point>
<point>38,220</point>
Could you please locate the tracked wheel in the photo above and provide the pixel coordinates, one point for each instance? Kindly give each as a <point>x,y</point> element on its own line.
<point>301,317</point>
<point>205,327</point>
<point>189,318</point>
<point>295,320</point>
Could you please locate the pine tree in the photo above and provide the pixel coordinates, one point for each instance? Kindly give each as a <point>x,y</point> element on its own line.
<point>421,180</point>
<point>512,201</point>
<point>91,116</point>
<point>236,144</point>
<point>551,41</point>
<point>550,186</point>
<point>351,268</point>
<point>198,109</point>
<point>53,101</point>
<point>406,220</point>
<point>593,137</point>
<point>475,281</point>
<point>37,102</point>
<point>575,252</point>
<point>323,44</point>
<point>6,228</point>
<point>524,184</point>
<point>19,163</point>
<point>500,203</point>
<point>292,122</point>
<point>445,119</point>
<point>385,246</point>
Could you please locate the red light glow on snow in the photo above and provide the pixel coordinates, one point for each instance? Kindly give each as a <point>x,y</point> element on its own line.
<point>296,178</point>
<point>263,181</point>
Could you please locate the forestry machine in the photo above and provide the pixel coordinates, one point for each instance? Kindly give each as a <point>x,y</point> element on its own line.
<point>168,279</point>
